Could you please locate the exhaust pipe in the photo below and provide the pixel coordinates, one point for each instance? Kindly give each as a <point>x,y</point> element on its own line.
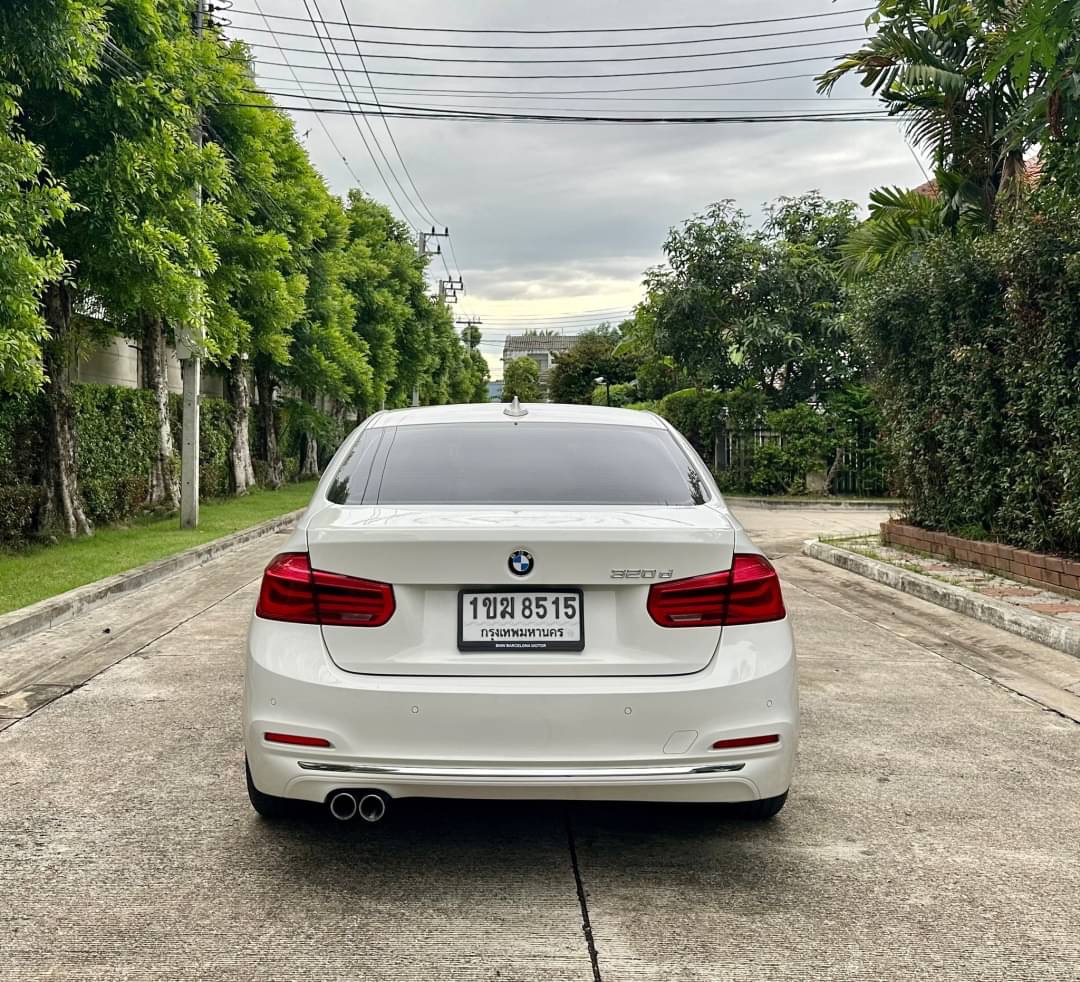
<point>343,805</point>
<point>372,807</point>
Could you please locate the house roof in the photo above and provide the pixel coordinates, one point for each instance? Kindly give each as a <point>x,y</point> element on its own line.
<point>525,344</point>
<point>1032,172</point>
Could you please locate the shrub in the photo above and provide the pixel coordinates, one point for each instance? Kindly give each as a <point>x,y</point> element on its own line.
<point>978,350</point>
<point>115,445</point>
<point>802,442</point>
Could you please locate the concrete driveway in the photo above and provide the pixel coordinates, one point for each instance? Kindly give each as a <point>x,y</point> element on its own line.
<point>932,832</point>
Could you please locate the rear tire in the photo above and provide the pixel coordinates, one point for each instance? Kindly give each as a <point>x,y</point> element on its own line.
<point>764,808</point>
<point>267,805</point>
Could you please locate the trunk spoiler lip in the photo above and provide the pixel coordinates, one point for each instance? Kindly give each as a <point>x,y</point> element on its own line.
<point>463,519</point>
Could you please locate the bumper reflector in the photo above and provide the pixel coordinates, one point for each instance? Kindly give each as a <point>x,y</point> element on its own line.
<point>752,741</point>
<point>298,741</point>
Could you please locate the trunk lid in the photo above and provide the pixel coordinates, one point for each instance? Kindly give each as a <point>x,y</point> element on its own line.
<point>611,554</point>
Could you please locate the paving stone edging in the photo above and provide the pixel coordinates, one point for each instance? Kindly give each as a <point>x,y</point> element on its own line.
<point>63,607</point>
<point>773,504</point>
<point>997,613</point>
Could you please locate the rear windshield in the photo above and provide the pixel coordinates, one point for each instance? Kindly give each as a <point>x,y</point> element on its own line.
<point>517,464</point>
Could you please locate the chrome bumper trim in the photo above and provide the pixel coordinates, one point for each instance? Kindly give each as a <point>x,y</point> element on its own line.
<point>544,773</point>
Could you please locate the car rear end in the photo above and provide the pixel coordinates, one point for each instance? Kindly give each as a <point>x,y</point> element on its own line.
<point>556,605</point>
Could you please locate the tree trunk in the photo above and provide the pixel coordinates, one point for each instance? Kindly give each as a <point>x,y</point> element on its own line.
<point>243,473</point>
<point>309,466</point>
<point>61,485</point>
<point>834,469</point>
<point>164,482</point>
<point>271,453</point>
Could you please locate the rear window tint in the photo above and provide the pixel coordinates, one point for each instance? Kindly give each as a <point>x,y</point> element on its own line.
<point>525,463</point>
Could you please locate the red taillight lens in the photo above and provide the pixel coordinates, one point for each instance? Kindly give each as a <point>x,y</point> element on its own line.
<point>752,741</point>
<point>287,593</point>
<point>295,740</point>
<point>347,601</point>
<point>755,595</point>
<point>748,593</point>
<point>292,591</point>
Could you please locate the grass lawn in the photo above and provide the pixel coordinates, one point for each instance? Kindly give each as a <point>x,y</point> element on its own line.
<point>32,574</point>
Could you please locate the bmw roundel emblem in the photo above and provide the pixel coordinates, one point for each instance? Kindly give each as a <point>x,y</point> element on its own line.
<point>521,562</point>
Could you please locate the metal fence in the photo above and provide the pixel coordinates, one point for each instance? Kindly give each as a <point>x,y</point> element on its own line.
<point>855,468</point>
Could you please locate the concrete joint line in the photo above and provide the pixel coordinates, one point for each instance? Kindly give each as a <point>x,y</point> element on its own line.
<point>987,610</point>
<point>583,902</point>
<point>953,660</point>
<point>68,689</point>
<point>56,610</point>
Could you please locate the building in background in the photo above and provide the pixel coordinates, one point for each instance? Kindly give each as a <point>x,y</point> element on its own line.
<point>540,346</point>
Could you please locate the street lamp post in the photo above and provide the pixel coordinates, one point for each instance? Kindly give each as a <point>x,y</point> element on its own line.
<point>600,380</point>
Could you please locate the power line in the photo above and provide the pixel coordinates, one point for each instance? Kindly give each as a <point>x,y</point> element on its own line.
<point>531,92</point>
<point>321,122</point>
<point>386,124</point>
<point>553,47</point>
<point>585,93</point>
<point>563,61</point>
<point>539,109</point>
<point>408,112</point>
<point>588,30</point>
<point>519,78</point>
<point>363,138</point>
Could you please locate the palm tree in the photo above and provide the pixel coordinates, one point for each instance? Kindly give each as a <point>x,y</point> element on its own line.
<point>938,66</point>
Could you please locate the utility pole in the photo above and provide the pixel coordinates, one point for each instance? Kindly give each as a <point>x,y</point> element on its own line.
<point>189,342</point>
<point>423,251</point>
<point>470,335</point>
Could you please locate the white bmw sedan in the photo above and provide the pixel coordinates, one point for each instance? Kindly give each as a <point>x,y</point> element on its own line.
<point>518,602</point>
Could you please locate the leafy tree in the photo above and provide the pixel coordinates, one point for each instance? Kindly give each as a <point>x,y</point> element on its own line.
<point>257,288</point>
<point>978,83</point>
<point>593,355</point>
<point>385,276</point>
<point>136,239</point>
<point>1041,51</point>
<point>734,306</point>
<point>522,379</point>
<point>697,300</point>
<point>792,342</point>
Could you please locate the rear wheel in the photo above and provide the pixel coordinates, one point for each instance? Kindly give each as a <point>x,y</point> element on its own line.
<point>764,808</point>
<point>267,805</point>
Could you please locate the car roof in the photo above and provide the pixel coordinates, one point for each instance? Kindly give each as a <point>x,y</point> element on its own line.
<point>540,412</point>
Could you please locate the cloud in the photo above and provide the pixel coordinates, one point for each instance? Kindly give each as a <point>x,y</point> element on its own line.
<point>557,219</point>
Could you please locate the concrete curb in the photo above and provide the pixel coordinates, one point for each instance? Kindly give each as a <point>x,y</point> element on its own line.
<point>997,613</point>
<point>773,504</point>
<point>63,607</point>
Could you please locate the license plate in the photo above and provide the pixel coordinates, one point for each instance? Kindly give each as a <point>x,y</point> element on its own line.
<point>521,620</point>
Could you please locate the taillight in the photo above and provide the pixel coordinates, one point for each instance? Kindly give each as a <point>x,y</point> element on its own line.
<point>292,591</point>
<point>748,593</point>
<point>296,740</point>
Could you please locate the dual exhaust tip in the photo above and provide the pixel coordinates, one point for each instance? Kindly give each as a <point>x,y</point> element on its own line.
<point>370,806</point>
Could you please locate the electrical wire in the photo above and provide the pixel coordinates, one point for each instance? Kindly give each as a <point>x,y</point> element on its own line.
<point>601,75</point>
<point>497,94</point>
<point>321,122</point>
<point>531,92</point>
<point>585,30</point>
<point>555,47</point>
<point>407,112</point>
<point>537,109</point>
<point>566,61</point>
<point>363,138</point>
<point>386,124</point>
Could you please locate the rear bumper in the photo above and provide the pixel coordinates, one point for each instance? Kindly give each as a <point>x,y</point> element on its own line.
<point>598,738</point>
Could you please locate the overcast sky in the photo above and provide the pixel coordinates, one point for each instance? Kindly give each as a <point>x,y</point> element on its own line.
<point>561,220</point>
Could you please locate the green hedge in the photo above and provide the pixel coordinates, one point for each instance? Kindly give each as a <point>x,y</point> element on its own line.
<point>115,446</point>
<point>978,347</point>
